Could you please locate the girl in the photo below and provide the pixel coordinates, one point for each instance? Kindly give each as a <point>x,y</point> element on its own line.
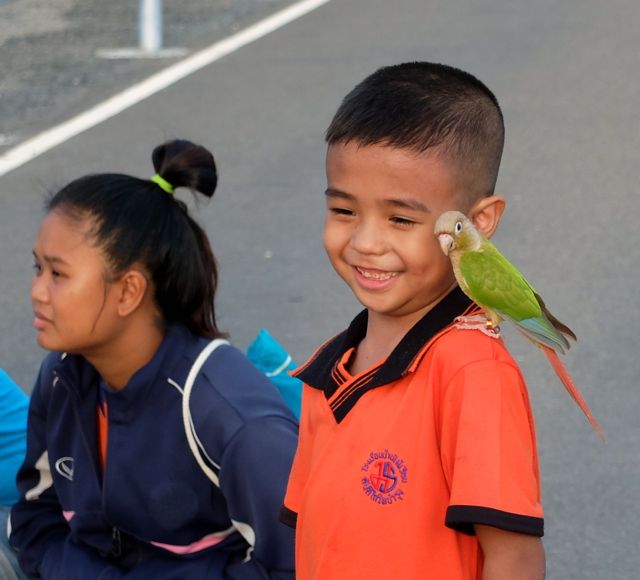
<point>111,486</point>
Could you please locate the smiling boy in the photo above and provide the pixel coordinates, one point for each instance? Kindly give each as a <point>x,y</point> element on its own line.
<point>417,456</point>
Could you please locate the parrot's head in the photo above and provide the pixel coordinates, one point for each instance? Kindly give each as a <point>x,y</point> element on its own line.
<point>456,233</point>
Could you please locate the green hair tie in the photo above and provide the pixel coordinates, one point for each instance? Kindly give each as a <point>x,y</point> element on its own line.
<point>163,183</point>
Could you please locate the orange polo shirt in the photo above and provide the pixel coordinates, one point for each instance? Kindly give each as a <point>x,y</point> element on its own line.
<point>395,465</point>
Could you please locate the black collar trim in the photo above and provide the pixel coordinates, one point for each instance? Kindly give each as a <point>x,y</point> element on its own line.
<point>321,371</point>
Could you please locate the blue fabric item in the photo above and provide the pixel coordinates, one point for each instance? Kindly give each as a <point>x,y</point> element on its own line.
<point>273,360</point>
<point>14,405</point>
<point>154,504</point>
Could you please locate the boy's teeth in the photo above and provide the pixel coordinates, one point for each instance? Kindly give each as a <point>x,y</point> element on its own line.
<point>377,275</point>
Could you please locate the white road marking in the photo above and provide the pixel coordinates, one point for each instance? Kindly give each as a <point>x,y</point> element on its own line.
<point>43,142</point>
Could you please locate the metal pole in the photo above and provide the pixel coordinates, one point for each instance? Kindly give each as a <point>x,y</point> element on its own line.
<point>150,32</point>
<point>150,25</point>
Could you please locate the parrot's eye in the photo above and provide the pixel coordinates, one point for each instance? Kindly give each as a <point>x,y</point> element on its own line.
<point>458,227</point>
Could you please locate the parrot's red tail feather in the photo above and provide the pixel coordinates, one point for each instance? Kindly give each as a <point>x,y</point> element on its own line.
<point>567,381</point>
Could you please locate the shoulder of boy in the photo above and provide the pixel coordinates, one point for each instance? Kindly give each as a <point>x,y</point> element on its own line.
<point>461,347</point>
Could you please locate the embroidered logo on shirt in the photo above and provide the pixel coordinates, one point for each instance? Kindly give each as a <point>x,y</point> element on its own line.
<point>385,475</point>
<point>64,466</point>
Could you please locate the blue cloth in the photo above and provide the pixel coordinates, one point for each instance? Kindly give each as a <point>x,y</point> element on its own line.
<point>14,406</point>
<point>273,360</point>
<point>152,489</point>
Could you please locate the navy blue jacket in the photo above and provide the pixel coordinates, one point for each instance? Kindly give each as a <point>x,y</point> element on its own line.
<point>154,514</point>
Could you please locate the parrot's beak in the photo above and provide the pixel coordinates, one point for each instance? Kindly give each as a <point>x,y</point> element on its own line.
<point>447,243</point>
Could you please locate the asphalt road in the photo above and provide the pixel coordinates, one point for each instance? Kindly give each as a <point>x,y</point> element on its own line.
<point>49,69</point>
<point>567,75</point>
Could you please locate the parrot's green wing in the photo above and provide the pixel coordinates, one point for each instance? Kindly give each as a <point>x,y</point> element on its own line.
<point>495,283</point>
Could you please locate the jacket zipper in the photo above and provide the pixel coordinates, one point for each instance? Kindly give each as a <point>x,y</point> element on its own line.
<point>116,543</point>
<point>116,537</point>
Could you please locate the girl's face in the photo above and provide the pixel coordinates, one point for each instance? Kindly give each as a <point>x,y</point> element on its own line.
<point>75,308</point>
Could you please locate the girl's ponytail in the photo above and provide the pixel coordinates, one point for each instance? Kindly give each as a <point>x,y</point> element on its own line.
<point>184,164</point>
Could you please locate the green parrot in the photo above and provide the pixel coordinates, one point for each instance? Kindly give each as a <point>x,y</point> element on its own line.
<point>498,287</point>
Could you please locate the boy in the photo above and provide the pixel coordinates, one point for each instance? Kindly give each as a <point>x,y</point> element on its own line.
<point>417,456</point>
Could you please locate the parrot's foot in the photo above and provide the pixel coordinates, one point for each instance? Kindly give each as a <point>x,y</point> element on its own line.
<point>477,322</point>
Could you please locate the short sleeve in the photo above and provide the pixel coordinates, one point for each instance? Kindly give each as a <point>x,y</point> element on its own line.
<point>488,449</point>
<point>301,463</point>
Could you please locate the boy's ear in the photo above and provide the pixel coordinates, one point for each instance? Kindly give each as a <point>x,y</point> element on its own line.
<point>133,288</point>
<point>486,214</point>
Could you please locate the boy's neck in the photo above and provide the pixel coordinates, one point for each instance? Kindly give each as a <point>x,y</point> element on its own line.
<point>369,352</point>
<point>384,333</point>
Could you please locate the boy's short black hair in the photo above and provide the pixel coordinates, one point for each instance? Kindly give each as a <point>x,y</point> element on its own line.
<point>423,106</point>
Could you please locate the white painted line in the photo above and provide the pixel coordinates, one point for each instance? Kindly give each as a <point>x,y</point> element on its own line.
<point>43,142</point>
<point>136,53</point>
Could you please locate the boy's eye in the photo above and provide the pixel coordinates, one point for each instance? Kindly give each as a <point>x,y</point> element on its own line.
<point>340,211</point>
<point>37,268</point>
<point>402,221</point>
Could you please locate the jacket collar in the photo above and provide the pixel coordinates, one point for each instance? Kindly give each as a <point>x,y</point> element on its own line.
<point>322,371</point>
<point>80,376</point>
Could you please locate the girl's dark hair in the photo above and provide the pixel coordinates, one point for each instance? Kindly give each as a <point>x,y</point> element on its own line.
<point>137,222</point>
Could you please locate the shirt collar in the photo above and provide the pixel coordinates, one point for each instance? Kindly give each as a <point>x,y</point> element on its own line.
<point>320,372</point>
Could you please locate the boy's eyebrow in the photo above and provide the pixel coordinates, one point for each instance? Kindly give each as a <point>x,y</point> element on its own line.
<point>408,203</point>
<point>404,203</point>
<point>330,192</point>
